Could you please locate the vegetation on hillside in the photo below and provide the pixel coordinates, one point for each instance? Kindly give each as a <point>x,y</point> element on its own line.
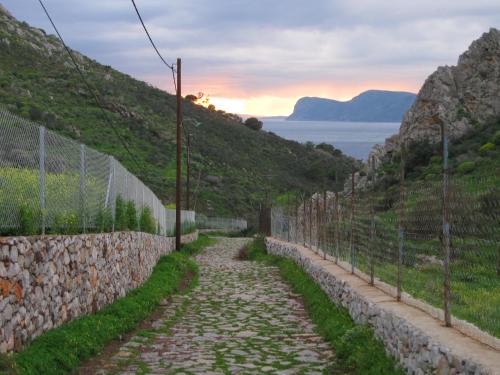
<point>233,167</point>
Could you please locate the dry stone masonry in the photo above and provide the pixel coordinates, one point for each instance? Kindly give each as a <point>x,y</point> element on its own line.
<point>49,280</point>
<point>417,352</point>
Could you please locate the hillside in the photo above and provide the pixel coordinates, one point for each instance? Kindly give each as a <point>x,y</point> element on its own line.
<point>369,106</point>
<point>236,166</point>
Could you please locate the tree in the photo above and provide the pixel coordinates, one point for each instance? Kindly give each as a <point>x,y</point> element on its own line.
<point>253,123</point>
<point>191,98</point>
<point>211,107</point>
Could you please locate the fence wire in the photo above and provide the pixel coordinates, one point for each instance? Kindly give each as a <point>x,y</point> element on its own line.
<point>221,223</point>
<point>399,237</point>
<point>58,180</point>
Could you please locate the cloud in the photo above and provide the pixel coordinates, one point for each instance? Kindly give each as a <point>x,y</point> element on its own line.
<point>261,48</point>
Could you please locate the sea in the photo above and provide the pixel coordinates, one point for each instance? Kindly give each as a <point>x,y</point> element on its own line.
<point>352,138</point>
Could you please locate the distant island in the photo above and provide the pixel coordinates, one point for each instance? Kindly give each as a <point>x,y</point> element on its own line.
<point>369,106</point>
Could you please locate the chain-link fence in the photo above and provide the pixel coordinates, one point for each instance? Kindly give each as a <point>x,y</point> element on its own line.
<point>48,181</point>
<point>220,223</point>
<point>437,240</point>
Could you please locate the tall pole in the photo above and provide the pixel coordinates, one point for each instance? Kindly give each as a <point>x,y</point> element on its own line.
<point>446,241</point>
<point>353,187</point>
<point>401,222</point>
<point>188,161</point>
<point>179,161</point>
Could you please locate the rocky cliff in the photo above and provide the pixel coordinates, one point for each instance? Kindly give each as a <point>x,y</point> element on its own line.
<point>456,96</point>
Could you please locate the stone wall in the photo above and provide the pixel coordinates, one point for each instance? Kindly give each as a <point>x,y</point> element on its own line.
<point>49,280</point>
<point>417,350</point>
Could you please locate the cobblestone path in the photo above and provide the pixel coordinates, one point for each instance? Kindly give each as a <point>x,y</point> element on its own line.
<point>242,318</point>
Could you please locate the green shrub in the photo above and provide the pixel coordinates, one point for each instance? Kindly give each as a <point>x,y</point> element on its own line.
<point>29,220</point>
<point>486,148</point>
<point>104,220</point>
<point>147,222</point>
<point>131,216</point>
<point>466,167</point>
<point>496,138</point>
<point>121,219</point>
<point>65,222</point>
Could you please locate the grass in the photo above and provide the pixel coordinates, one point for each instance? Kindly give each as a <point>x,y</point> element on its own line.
<point>357,350</point>
<point>229,233</point>
<point>60,350</point>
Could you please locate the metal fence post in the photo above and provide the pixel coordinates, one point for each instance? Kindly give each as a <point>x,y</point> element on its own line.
<point>82,187</point>
<point>372,245</point>
<point>112,179</point>
<point>296,219</point>
<point>42,177</point>
<point>288,216</point>
<point>352,222</point>
<point>401,233</point>
<point>323,232</point>
<point>304,222</point>
<point>446,241</point>
<point>337,227</point>
<point>310,222</point>
<point>318,217</point>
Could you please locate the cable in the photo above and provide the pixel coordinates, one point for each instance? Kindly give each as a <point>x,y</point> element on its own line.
<point>150,39</point>
<point>89,87</point>
<point>170,66</point>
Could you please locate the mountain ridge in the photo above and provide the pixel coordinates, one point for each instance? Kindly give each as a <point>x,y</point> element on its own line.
<point>368,106</point>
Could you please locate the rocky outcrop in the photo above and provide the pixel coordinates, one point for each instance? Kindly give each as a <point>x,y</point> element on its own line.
<point>5,11</point>
<point>456,96</point>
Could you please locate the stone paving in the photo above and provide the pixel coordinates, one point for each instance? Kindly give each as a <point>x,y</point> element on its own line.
<point>241,318</point>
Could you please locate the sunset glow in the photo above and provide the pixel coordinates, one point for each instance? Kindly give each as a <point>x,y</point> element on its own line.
<point>278,105</point>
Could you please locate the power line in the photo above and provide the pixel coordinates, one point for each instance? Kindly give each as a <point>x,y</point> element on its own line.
<point>90,88</point>
<point>170,66</point>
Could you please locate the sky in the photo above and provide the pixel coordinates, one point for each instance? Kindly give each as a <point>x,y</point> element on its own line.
<point>259,56</point>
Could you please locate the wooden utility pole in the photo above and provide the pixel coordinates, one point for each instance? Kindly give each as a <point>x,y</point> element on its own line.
<point>179,162</point>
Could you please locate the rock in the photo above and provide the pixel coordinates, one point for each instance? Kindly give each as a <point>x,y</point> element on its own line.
<point>13,254</point>
<point>4,11</point>
<point>457,96</point>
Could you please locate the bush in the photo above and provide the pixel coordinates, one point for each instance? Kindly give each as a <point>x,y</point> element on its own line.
<point>466,167</point>
<point>121,219</point>
<point>131,216</point>
<point>253,123</point>
<point>147,222</point>
<point>419,154</point>
<point>104,220</point>
<point>496,138</point>
<point>65,222</point>
<point>486,149</point>
<point>29,220</point>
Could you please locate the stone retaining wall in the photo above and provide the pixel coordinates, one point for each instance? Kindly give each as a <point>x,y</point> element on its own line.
<point>49,280</point>
<point>416,351</point>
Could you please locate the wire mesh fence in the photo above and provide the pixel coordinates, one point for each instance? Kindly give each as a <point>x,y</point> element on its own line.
<point>220,223</point>
<point>49,182</point>
<point>437,240</point>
